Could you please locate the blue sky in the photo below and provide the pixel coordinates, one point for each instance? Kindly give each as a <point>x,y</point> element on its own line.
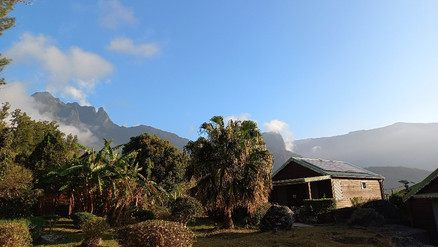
<point>307,69</point>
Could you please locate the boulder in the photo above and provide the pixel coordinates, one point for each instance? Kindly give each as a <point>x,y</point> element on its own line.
<point>277,218</point>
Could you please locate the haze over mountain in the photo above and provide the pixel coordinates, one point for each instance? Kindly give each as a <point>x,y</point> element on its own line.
<point>396,173</point>
<point>275,144</point>
<point>411,145</point>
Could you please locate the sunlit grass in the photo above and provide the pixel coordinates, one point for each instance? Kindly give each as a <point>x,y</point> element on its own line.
<point>209,233</point>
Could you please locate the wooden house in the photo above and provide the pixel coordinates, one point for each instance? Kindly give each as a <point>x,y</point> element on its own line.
<point>305,178</point>
<point>421,201</point>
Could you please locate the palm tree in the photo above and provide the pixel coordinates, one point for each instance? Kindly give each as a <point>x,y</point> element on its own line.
<point>232,166</point>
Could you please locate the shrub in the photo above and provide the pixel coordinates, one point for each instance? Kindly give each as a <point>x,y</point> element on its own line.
<point>16,193</point>
<point>155,233</point>
<point>35,226</point>
<point>396,198</point>
<point>162,213</point>
<point>366,217</point>
<point>80,218</point>
<point>93,230</point>
<point>323,208</point>
<point>254,220</point>
<point>185,209</point>
<point>14,233</point>
<point>357,202</point>
<point>143,215</point>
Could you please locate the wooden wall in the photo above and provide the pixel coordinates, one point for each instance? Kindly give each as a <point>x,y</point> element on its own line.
<point>421,215</point>
<point>352,188</point>
<point>294,170</point>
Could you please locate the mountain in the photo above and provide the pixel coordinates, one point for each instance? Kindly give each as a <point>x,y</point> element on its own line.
<point>396,173</point>
<point>275,145</point>
<point>98,122</point>
<point>101,126</point>
<point>402,144</point>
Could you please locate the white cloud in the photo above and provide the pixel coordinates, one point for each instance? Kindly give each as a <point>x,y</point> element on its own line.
<point>16,95</point>
<point>112,14</point>
<point>242,117</point>
<point>282,128</point>
<point>125,45</point>
<point>316,149</point>
<point>74,73</point>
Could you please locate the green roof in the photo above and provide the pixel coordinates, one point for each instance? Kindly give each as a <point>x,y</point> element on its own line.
<point>332,168</point>
<point>417,187</point>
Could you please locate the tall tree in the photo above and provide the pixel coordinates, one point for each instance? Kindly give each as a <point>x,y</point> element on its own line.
<point>6,22</point>
<point>165,162</point>
<point>6,6</point>
<point>232,166</point>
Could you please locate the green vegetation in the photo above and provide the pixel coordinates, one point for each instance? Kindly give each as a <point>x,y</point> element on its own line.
<point>231,166</point>
<point>159,161</point>
<point>93,230</point>
<point>143,215</point>
<point>322,208</point>
<point>6,6</point>
<point>80,218</point>
<point>185,209</point>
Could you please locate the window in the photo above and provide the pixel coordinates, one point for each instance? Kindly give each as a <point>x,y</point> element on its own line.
<point>363,185</point>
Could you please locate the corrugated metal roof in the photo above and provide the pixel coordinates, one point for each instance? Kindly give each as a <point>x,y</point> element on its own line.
<point>333,168</point>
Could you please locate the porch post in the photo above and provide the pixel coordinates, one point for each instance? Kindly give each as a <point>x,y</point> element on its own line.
<point>309,189</point>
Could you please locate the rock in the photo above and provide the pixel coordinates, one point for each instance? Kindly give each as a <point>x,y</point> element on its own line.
<point>405,242</point>
<point>277,217</point>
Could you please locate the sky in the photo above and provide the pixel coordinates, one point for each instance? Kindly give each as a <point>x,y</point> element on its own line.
<point>306,69</point>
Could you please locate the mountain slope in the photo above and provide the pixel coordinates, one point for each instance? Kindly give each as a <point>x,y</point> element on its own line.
<point>98,122</point>
<point>275,144</point>
<point>400,144</point>
<point>394,174</point>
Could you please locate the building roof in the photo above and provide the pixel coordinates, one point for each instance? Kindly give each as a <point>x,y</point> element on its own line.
<point>419,186</point>
<point>332,168</point>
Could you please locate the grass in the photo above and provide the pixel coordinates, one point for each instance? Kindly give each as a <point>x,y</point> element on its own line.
<point>209,234</point>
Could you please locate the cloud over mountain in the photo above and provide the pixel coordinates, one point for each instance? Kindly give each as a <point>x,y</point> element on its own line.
<point>74,73</point>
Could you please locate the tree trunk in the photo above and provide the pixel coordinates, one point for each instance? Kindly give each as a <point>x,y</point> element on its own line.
<point>228,220</point>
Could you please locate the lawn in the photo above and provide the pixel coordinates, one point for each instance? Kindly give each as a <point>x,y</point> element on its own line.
<point>208,234</point>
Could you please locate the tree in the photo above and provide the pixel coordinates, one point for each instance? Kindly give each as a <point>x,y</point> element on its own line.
<point>104,182</point>
<point>6,22</point>
<point>51,152</point>
<point>6,6</point>
<point>165,162</point>
<point>232,167</point>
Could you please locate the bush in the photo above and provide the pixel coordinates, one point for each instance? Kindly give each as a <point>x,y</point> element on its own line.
<point>162,213</point>
<point>14,233</point>
<point>396,198</point>
<point>322,208</point>
<point>16,193</point>
<point>93,230</point>
<point>143,215</point>
<point>254,220</point>
<point>357,202</point>
<point>35,226</point>
<point>155,233</point>
<point>185,209</point>
<point>80,218</point>
<point>366,217</point>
